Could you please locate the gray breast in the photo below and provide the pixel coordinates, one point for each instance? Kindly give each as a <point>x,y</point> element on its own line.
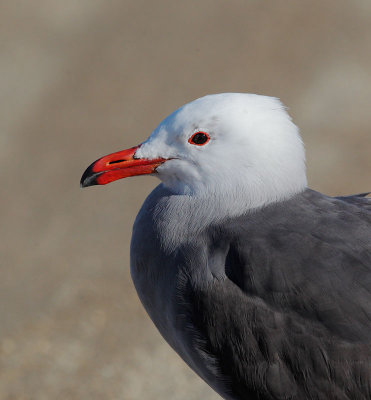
<point>272,305</point>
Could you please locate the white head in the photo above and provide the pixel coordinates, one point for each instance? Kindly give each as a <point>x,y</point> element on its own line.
<point>254,156</point>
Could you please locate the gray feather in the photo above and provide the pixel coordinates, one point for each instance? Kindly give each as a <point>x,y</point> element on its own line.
<point>275,304</point>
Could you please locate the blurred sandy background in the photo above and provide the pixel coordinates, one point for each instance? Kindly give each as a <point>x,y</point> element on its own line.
<point>80,79</point>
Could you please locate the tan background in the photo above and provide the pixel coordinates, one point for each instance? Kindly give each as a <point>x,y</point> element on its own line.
<point>80,79</point>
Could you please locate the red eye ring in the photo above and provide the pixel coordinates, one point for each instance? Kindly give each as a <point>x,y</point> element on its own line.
<point>199,138</point>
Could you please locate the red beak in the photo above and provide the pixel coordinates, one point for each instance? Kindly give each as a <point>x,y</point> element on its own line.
<point>117,166</point>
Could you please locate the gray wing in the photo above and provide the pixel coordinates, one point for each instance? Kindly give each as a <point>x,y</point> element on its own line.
<point>291,317</point>
<point>361,200</point>
<point>333,253</point>
<point>313,255</point>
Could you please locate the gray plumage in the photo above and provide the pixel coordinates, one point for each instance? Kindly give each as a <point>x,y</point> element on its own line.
<point>274,304</point>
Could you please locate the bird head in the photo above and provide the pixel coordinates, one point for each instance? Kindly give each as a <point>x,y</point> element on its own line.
<point>235,146</point>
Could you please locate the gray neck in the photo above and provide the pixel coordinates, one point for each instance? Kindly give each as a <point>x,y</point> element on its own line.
<point>179,218</point>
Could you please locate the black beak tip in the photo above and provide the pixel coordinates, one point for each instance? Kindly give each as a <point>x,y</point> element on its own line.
<point>89,178</point>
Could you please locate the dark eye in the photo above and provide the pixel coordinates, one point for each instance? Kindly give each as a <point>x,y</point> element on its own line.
<point>199,138</point>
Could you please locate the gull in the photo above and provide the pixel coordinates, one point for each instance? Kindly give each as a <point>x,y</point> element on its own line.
<point>259,283</point>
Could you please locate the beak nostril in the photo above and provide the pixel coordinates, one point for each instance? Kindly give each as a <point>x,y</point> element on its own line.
<point>115,162</point>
